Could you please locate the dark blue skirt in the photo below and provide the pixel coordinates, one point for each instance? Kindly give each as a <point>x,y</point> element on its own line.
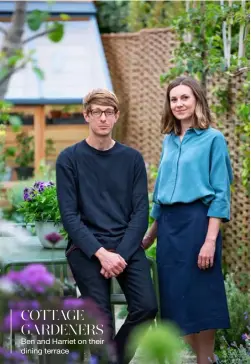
<point>192,298</point>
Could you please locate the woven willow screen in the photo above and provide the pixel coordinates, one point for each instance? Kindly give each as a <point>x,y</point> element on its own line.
<point>136,62</point>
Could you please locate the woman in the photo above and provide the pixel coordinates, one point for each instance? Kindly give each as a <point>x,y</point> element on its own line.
<point>191,198</point>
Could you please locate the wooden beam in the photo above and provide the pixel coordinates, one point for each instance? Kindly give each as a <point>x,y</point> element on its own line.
<point>26,109</point>
<point>39,135</point>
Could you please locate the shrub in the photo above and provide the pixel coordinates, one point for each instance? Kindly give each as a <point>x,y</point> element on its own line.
<point>238,305</point>
<point>235,354</point>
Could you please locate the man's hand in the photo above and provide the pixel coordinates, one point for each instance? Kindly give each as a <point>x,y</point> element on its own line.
<point>112,263</point>
<point>105,273</point>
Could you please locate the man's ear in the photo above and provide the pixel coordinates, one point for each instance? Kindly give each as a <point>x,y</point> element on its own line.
<point>117,116</point>
<point>86,116</point>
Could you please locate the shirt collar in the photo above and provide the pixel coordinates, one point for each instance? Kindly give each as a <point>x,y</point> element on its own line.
<point>198,131</point>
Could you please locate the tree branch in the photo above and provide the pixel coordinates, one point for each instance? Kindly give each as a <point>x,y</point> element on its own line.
<point>224,35</point>
<point>39,35</point>
<point>14,70</point>
<point>241,37</point>
<point>3,30</point>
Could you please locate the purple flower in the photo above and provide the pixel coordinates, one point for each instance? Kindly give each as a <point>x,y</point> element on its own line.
<point>93,360</point>
<point>53,238</point>
<point>245,316</point>
<point>41,185</point>
<point>27,194</point>
<point>15,357</point>
<point>38,187</point>
<point>14,320</point>
<point>73,357</point>
<point>245,337</point>
<point>71,303</point>
<point>24,305</point>
<point>35,277</point>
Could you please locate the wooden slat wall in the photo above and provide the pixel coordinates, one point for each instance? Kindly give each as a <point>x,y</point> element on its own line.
<point>62,135</point>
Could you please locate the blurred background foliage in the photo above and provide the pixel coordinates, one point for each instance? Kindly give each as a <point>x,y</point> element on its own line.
<point>131,16</point>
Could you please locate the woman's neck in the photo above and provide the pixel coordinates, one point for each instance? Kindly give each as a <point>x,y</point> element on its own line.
<point>185,125</point>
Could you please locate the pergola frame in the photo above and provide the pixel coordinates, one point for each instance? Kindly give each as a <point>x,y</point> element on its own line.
<point>38,112</point>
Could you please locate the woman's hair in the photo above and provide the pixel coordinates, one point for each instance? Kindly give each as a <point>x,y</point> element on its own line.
<point>202,118</point>
<point>100,97</point>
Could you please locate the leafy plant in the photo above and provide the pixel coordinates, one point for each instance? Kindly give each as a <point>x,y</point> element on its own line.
<point>202,48</point>
<point>233,354</point>
<point>24,151</point>
<point>152,172</point>
<point>132,16</point>
<point>152,14</point>
<point>15,123</point>
<point>14,198</point>
<point>161,344</point>
<point>40,203</point>
<point>238,305</point>
<point>243,130</point>
<point>112,16</point>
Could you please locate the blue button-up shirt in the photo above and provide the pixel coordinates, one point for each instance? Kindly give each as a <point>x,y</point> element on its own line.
<point>198,167</point>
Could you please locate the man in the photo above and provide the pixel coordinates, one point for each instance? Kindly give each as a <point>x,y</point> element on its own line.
<point>103,201</point>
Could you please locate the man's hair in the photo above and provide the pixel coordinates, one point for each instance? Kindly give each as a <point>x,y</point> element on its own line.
<point>100,97</point>
<point>202,116</point>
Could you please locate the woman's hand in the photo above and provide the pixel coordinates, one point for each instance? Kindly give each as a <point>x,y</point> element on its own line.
<point>206,255</point>
<point>147,242</point>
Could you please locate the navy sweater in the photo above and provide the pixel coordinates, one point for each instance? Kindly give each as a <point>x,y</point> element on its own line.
<point>103,198</point>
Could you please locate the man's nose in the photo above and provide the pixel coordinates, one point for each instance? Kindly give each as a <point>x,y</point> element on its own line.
<point>103,117</point>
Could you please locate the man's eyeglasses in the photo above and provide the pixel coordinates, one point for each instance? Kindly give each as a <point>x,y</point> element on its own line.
<point>97,113</point>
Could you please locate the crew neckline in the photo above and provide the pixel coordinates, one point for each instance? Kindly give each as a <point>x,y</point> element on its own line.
<point>101,152</point>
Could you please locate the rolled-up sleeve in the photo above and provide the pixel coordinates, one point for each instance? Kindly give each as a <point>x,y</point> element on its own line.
<point>155,212</point>
<point>220,179</point>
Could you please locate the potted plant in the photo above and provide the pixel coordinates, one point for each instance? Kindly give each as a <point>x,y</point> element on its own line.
<point>40,205</point>
<point>24,154</point>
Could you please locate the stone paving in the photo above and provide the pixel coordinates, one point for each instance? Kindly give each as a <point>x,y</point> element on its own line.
<point>187,357</point>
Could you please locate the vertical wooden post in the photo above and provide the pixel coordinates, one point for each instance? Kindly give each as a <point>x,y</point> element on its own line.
<point>39,135</point>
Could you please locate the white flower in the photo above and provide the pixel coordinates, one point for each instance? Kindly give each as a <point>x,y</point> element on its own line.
<point>7,286</point>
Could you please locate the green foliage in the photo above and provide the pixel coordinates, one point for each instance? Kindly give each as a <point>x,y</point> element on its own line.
<point>238,305</point>
<point>131,16</point>
<point>152,14</point>
<point>160,344</point>
<point>15,194</point>
<point>15,198</point>
<point>243,130</point>
<point>36,18</point>
<point>24,152</point>
<point>40,205</point>
<point>123,312</point>
<point>202,54</point>
<point>233,354</point>
<point>5,117</point>
<point>152,175</point>
<point>15,122</point>
<point>57,32</point>
<point>112,16</point>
